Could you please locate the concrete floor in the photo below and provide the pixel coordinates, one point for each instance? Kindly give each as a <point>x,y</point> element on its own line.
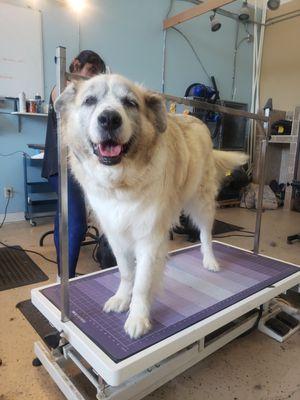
<point>250,368</point>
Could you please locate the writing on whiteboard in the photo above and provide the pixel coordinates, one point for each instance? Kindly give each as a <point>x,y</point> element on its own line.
<point>21,56</point>
<point>12,60</point>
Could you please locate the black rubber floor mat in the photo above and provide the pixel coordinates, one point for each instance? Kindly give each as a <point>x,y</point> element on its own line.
<point>39,323</point>
<point>18,269</point>
<point>223,227</point>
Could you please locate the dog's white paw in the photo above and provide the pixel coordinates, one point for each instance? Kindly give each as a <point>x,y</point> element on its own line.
<point>211,264</point>
<point>137,325</point>
<point>117,304</point>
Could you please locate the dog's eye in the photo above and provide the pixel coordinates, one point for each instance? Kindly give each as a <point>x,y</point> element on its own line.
<point>131,103</point>
<point>90,101</point>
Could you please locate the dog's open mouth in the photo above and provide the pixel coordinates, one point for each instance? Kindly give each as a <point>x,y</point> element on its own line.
<point>110,152</point>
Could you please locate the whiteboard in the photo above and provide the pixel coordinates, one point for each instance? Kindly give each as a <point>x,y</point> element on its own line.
<point>21,55</point>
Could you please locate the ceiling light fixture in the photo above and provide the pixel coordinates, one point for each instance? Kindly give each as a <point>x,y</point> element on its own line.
<point>273,4</point>
<point>215,24</point>
<point>244,13</point>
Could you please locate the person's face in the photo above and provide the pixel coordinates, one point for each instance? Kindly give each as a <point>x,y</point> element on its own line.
<point>89,70</point>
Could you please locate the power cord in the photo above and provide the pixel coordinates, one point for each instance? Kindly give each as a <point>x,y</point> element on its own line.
<point>16,248</point>
<point>5,212</point>
<point>233,235</point>
<point>28,251</point>
<point>95,249</point>
<point>194,51</point>
<point>15,152</point>
<point>244,231</point>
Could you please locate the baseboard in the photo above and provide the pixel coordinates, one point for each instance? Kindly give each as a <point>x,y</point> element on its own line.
<point>13,217</point>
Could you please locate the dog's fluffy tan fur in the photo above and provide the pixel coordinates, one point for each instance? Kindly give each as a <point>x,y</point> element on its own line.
<point>170,165</point>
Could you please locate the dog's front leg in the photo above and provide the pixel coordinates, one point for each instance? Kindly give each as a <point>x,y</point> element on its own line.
<point>121,300</point>
<point>150,260</point>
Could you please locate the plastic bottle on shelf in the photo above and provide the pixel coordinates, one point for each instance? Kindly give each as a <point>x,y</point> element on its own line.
<point>22,102</point>
<point>38,101</point>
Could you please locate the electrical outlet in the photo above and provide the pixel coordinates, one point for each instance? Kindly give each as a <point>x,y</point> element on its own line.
<point>8,191</point>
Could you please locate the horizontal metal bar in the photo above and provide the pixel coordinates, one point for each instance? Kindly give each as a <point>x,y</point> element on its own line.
<point>57,373</point>
<point>195,103</point>
<point>70,354</point>
<point>213,107</point>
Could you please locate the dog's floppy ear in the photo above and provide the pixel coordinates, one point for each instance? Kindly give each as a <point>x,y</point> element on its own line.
<point>66,98</point>
<point>156,107</point>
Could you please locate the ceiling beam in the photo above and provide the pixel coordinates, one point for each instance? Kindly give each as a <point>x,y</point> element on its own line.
<point>194,12</point>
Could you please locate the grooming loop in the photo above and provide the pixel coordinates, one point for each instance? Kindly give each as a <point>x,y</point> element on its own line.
<point>197,314</point>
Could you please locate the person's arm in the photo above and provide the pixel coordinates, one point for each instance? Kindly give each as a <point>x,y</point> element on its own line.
<point>54,94</point>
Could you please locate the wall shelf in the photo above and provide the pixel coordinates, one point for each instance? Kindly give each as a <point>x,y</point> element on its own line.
<point>26,114</point>
<point>282,139</point>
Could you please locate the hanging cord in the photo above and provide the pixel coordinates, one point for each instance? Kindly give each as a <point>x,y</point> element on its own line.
<point>170,8</point>
<point>194,51</point>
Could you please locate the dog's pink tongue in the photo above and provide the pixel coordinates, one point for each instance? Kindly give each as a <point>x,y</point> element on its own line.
<point>110,151</point>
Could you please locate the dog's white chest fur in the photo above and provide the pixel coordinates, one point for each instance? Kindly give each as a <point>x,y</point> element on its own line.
<point>121,216</point>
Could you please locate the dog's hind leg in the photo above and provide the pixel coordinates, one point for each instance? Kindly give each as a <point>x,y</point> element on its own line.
<point>151,259</point>
<point>121,300</point>
<point>203,216</point>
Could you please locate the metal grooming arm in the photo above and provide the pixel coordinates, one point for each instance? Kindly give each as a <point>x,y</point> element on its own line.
<point>61,80</point>
<point>263,125</point>
<point>62,191</point>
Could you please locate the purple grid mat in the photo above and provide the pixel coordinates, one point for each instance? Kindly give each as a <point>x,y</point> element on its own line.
<point>191,294</point>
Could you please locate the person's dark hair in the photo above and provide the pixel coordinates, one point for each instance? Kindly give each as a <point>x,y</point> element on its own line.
<point>89,56</point>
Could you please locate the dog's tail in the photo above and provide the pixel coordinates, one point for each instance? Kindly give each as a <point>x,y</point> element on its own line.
<point>227,161</point>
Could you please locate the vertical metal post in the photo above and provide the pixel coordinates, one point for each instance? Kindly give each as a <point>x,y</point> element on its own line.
<point>261,169</point>
<point>62,191</point>
<point>163,73</point>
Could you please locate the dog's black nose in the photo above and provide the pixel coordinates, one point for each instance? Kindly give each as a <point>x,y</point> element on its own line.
<point>110,120</point>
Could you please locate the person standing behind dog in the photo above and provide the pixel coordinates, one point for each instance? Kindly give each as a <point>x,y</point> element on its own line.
<point>87,64</point>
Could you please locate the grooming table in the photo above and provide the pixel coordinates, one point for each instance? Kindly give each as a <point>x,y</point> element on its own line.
<point>197,312</point>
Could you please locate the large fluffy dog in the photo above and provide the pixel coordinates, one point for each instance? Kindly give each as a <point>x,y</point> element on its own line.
<point>139,167</point>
